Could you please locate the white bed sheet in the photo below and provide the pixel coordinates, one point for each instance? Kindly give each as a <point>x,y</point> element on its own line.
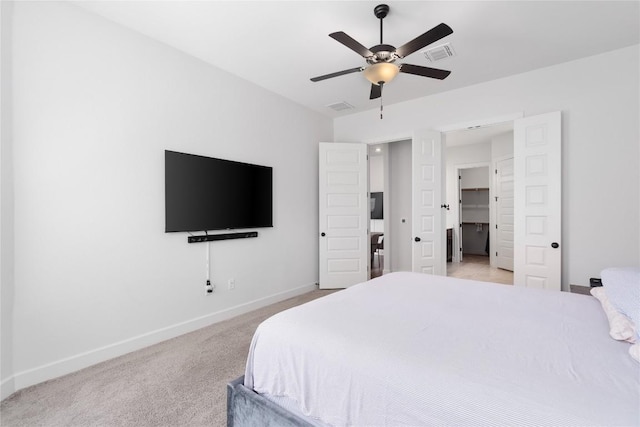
<point>408,349</point>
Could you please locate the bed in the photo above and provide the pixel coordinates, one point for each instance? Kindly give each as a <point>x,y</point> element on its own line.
<point>409,349</point>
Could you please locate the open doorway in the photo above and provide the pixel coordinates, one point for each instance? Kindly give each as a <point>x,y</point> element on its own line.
<point>471,158</point>
<point>473,185</point>
<point>378,155</point>
<point>391,174</point>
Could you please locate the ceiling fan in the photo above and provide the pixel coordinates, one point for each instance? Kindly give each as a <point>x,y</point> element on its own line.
<point>381,58</point>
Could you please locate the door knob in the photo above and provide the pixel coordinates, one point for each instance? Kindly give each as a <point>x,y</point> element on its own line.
<point>323,234</point>
<point>555,245</point>
<point>417,239</point>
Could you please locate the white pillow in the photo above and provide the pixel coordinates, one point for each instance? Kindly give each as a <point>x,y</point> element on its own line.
<point>623,289</point>
<point>620,327</point>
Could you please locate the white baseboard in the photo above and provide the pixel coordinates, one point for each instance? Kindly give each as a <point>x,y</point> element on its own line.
<point>74,363</point>
<point>7,388</point>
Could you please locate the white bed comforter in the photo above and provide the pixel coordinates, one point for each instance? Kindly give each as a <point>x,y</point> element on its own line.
<point>409,349</point>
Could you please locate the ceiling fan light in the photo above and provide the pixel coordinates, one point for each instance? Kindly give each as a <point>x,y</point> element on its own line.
<point>381,72</point>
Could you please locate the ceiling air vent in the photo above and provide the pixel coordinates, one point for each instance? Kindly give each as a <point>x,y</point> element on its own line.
<point>341,106</point>
<point>439,52</point>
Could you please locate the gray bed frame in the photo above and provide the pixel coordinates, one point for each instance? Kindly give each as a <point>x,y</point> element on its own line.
<point>246,408</point>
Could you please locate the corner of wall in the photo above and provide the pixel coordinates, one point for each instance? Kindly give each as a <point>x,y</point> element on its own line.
<point>6,207</point>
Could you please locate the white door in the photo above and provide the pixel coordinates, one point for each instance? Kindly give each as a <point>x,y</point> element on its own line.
<point>537,201</point>
<point>344,215</point>
<point>429,243</point>
<point>504,214</point>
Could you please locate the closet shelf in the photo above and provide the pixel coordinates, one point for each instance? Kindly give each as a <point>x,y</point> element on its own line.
<point>473,223</point>
<point>465,206</point>
<point>474,189</point>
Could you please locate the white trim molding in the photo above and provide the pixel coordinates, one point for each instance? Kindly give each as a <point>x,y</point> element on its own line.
<point>79,361</point>
<point>7,387</point>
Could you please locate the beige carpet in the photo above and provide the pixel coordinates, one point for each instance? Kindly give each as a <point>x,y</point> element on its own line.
<point>179,382</point>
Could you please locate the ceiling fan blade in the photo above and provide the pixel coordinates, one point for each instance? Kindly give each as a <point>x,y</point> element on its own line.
<point>376,91</point>
<point>419,70</point>
<point>433,35</point>
<point>351,43</point>
<point>336,74</point>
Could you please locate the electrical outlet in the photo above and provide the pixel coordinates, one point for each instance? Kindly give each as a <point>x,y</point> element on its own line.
<point>232,284</point>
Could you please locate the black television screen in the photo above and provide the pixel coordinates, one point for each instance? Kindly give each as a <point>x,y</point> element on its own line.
<point>205,193</point>
<point>376,206</point>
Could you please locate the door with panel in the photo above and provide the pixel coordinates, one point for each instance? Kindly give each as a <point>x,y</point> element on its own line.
<point>504,213</point>
<point>537,201</point>
<point>343,215</point>
<point>429,247</point>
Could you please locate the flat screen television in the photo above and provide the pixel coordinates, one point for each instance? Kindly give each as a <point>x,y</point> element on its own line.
<point>205,193</point>
<point>376,206</point>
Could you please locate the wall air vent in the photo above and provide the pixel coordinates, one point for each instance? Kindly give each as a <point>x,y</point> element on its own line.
<point>439,53</point>
<point>341,106</point>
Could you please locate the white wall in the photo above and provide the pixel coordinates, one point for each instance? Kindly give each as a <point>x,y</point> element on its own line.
<point>477,177</point>
<point>6,206</point>
<point>95,106</point>
<point>502,145</point>
<point>598,97</point>
<point>376,173</point>
<point>376,184</point>
<point>400,206</point>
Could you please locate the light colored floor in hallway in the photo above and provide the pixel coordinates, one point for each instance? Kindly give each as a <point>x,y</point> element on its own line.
<point>476,267</point>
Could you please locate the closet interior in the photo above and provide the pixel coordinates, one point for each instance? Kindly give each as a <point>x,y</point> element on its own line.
<point>474,211</point>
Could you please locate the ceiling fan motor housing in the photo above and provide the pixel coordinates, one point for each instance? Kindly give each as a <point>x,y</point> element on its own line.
<point>382,53</point>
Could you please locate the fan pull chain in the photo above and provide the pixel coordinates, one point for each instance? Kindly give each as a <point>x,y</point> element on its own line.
<point>381,84</point>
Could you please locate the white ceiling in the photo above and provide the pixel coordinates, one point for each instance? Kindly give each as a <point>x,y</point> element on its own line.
<point>281,45</point>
